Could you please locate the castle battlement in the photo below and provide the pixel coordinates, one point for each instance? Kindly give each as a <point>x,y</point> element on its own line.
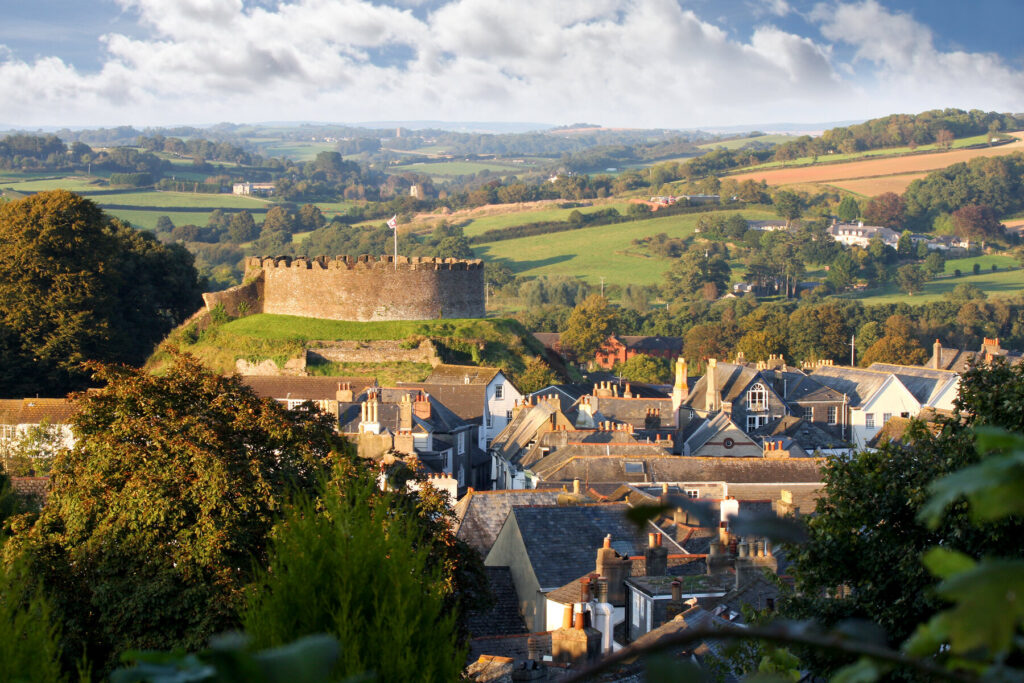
<point>360,288</point>
<point>363,262</point>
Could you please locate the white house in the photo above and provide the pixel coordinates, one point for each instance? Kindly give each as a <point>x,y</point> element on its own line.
<point>861,235</point>
<point>883,391</point>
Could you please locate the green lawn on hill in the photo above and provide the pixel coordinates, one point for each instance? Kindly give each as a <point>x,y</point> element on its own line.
<point>605,250</point>
<point>999,283</point>
<point>478,226</point>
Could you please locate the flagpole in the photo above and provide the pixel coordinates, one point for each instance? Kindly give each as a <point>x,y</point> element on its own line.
<point>396,247</point>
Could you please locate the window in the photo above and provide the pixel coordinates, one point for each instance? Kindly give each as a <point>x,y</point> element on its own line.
<point>693,493</point>
<point>499,391</point>
<point>886,417</point>
<point>634,468</point>
<point>832,411</point>
<point>809,413</point>
<point>462,442</point>
<point>728,443</point>
<point>508,415</point>
<point>869,420</point>
<point>487,418</point>
<point>756,421</point>
<point>757,398</point>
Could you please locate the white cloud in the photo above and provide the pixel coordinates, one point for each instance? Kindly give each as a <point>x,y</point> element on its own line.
<point>618,62</point>
<point>907,67</point>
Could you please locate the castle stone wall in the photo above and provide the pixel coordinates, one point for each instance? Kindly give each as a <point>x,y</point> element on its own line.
<point>367,289</point>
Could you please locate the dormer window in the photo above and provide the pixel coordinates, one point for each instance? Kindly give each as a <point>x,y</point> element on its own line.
<point>757,398</point>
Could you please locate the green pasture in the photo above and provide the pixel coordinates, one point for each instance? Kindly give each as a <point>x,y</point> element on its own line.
<point>146,220</point>
<point>294,149</point>
<point>457,168</point>
<point>966,265</point>
<point>999,283</point>
<point>605,250</point>
<point>481,225</point>
<point>189,199</point>
<point>773,139</point>
<point>857,156</point>
<point>72,183</point>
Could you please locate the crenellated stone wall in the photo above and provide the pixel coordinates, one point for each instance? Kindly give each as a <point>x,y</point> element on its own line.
<point>361,289</point>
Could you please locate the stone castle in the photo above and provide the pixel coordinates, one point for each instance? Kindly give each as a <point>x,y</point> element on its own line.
<point>361,289</point>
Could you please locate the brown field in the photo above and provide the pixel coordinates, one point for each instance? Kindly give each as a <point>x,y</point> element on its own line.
<point>869,187</point>
<point>872,168</point>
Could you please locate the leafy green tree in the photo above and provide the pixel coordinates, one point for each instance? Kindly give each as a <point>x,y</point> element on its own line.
<point>692,270</point>
<point>934,264</point>
<point>898,345</point>
<point>589,325</point>
<point>910,278</point>
<point>977,222</point>
<point>164,224</point>
<point>535,376</point>
<point>77,285</point>
<point>875,572</point>
<point>849,209</point>
<point>905,246</point>
<point>242,228</point>
<point>842,271</point>
<point>30,633</point>
<point>788,205</point>
<point>643,368</point>
<point>820,333</point>
<point>31,452</point>
<point>350,565</point>
<point>157,515</point>
<point>455,247</point>
<point>310,217</point>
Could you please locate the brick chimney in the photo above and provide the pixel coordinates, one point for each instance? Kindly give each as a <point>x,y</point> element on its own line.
<point>679,389</point>
<point>937,355</point>
<point>369,422</point>
<point>655,556</point>
<point>577,645</point>
<point>421,406</point>
<point>615,568</point>
<point>343,393</point>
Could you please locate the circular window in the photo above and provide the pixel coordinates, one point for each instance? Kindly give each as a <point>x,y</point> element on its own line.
<point>728,443</point>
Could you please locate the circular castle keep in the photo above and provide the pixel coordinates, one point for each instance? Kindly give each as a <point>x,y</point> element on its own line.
<point>362,289</point>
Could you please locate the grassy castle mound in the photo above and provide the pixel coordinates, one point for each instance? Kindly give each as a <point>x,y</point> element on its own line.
<point>497,342</point>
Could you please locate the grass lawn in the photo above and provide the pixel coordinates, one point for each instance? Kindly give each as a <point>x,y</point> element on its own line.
<point>1000,283</point>
<point>190,199</point>
<point>605,250</point>
<point>141,218</point>
<point>481,225</point>
<point>289,327</point>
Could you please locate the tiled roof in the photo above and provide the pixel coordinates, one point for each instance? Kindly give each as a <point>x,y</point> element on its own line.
<point>33,411</point>
<point>480,514</point>
<point>562,542</point>
<point>657,343</point>
<point>857,383</point>
<point>503,617</point>
<point>304,388</point>
<point>808,436</point>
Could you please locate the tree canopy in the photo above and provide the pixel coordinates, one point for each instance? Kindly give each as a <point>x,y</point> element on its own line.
<point>158,513</point>
<point>589,325</point>
<point>76,285</point>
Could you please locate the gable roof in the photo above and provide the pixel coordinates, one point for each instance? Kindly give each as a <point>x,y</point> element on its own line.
<point>807,435</point>
<point>926,384</point>
<point>480,514</point>
<point>502,618</point>
<point>562,542</point>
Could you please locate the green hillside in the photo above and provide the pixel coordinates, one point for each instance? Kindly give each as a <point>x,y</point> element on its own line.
<point>496,342</point>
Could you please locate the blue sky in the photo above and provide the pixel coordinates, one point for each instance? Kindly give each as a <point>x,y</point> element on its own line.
<point>671,63</point>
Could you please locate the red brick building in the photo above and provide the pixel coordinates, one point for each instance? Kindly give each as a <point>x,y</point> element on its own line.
<point>620,348</point>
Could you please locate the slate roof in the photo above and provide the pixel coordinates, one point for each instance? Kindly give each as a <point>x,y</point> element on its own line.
<point>630,410</point>
<point>33,411</point>
<point>462,374</point>
<point>730,379</point>
<point>550,340</point>
<point>924,383</point>
<point>468,401</point>
<point>955,360</point>
<point>642,344</point>
<point>857,383</point>
<point>562,542</point>
<point>304,388</point>
<point>441,419</point>
<point>807,435</point>
<point>802,387</point>
<point>615,455</point>
<point>513,440</point>
<point>480,514</point>
<point>503,617</point>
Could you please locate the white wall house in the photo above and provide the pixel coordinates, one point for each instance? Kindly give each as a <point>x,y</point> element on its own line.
<point>501,398</point>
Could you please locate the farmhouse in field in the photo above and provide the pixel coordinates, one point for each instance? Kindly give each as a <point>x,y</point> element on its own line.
<point>860,235</point>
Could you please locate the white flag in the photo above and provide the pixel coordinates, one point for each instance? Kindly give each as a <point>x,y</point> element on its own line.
<point>393,223</point>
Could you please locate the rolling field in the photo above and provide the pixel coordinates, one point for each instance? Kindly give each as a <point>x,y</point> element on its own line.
<point>872,168</point>
<point>774,139</point>
<point>1000,283</point>
<point>73,183</point>
<point>142,218</point>
<point>590,253</point>
<point>457,168</point>
<point>294,150</point>
<point>869,187</point>
<point>484,223</point>
<point>187,199</point>
<point>966,265</point>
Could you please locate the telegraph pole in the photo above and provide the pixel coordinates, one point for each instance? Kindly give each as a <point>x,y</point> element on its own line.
<point>602,285</point>
<point>853,349</point>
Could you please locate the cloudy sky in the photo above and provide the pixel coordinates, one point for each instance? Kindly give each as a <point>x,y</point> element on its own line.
<point>637,63</point>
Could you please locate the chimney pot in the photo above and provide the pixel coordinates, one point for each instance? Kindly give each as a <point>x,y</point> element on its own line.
<point>677,593</point>
<point>567,618</point>
<point>579,621</point>
<point>608,541</point>
<point>651,540</point>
